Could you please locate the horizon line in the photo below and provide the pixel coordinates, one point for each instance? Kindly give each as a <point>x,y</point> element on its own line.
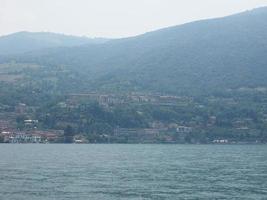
<point>135,35</point>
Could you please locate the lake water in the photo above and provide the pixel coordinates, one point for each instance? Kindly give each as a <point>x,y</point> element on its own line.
<point>111,172</point>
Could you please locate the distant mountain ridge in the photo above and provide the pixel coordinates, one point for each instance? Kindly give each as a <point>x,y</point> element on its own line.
<point>22,42</point>
<point>198,57</point>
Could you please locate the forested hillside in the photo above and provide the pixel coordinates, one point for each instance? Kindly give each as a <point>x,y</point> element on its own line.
<point>215,54</point>
<point>23,42</point>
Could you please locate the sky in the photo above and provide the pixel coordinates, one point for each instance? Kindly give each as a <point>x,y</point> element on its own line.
<point>111,18</point>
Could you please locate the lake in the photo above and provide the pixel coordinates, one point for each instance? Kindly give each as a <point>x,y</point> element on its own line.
<point>123,171</point>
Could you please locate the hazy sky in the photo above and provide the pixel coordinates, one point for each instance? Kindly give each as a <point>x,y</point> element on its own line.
<point>111,18</point>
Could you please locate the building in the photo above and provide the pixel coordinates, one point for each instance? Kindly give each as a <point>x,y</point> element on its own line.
<point>138,135</point>
<point>31,136</point>
<point>183,129</point>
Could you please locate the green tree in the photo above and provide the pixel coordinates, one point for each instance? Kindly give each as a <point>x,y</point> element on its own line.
<point>1,139</point>
<point>68,134</point>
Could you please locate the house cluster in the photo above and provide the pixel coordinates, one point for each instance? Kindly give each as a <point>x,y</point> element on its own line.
<point>157,133</point>
<point>137,134</point>
<point>113,99</point>
<point>220,141</point>
<point>31,136</point>
<point>4,125</point>
<point>30,123</point>
<point>242,124</point>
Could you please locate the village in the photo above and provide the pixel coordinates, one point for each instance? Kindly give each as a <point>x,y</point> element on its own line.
<point>157,133</point>
<point>14,129</point>
<point>131,98</point>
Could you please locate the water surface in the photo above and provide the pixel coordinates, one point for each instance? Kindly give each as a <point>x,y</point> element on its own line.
<point>111,172</point>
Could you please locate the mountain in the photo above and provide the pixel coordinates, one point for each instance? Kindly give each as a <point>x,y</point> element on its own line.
<point>199,57</point>
<point>22,42</point>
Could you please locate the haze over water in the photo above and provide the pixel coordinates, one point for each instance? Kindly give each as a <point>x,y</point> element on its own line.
<point>110,172</point>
